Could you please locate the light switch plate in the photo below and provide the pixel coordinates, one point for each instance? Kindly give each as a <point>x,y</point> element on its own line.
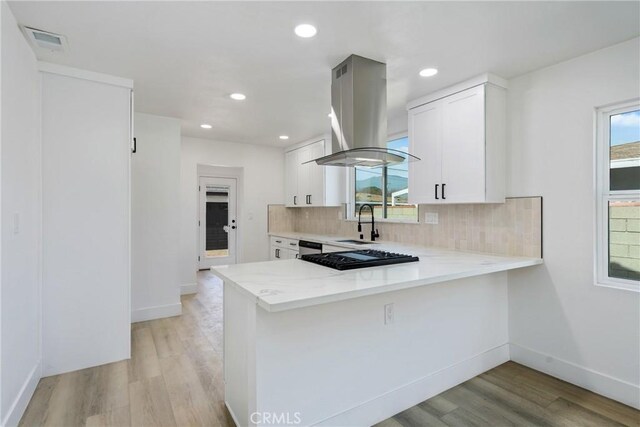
<point>389,315</point>
<point>431,218</point>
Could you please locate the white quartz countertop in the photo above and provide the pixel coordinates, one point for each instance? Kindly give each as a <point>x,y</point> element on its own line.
<point>290,284</point>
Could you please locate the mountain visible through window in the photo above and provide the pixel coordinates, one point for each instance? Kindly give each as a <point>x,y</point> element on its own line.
<point>390,201</point>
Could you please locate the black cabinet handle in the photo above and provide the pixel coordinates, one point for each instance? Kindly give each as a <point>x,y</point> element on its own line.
<point>277,253</point>
<point>295,200</point>
<point>135,146</point>
<point>437,185</point>
<point>309,198</point>
<point>443,198</point>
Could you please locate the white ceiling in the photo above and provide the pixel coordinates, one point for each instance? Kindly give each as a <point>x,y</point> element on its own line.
<point>187,57</point>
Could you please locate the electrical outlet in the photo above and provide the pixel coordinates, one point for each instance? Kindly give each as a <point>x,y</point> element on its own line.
<point>388,314</point>
<point>431,218</point>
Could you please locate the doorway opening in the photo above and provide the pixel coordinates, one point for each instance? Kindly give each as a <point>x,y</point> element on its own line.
<point>217,221</point>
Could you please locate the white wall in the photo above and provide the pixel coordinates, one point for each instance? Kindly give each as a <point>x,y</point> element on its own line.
<point>86,270</point>
<point>591,334</point>
<point>263,185</point>
<point>155,226</point>
<point>20,154</point>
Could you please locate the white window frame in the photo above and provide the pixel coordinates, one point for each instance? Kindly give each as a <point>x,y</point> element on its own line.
<point>351,192</point>
<point>603,195</point>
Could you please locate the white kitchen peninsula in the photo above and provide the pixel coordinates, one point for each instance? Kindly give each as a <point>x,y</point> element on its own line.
<point>311,344</point>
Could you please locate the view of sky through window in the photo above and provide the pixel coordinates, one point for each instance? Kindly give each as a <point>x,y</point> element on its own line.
<point>625,128</point>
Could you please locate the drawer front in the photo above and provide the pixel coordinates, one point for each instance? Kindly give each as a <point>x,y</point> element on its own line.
<point>283,242</point>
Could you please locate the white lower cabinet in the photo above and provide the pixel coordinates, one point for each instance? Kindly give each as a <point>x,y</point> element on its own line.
<point>283,248</point>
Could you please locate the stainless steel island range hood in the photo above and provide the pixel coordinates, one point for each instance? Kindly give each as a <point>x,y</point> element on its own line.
<point>359,116</point>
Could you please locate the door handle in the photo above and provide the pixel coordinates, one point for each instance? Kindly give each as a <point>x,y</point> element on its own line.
<point>443,198</point>
<point>437,191</point>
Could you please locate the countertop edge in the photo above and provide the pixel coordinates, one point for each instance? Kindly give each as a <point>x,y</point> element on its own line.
<point>309,302</point>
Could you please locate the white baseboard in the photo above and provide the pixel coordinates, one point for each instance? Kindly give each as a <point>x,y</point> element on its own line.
<point>597,382</point>
<point>394,401</point>
<point>188,288</point>
<point>22,399</point>
<point>157,312</point>
<point>233,415</point>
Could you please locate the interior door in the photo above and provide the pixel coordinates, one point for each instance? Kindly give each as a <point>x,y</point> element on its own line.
<point>217,225</point>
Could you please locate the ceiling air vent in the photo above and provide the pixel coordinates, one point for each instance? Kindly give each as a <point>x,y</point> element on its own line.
<point>45,39</point>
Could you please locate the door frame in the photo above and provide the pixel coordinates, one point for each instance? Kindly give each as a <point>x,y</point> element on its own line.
<point>213,171</point>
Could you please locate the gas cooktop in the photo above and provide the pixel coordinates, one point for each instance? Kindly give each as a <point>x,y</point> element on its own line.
<point>348,260</point>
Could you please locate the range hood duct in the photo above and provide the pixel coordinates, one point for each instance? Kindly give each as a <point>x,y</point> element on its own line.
<point>359,116</point>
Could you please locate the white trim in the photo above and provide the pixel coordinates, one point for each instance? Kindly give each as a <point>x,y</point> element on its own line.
<point>602,195</point>
<point>486,78</point>
<point>47,67</point>
<point>233,415</point>
<point>401,398</point>
<point>188,288</point>
<point>21,401</point>
<point>597,382</point>
<point>156,312</point>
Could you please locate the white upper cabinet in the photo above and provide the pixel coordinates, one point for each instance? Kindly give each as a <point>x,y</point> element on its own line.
<point>307,184</point>
<point>460,136</point>
<point>291,177</point>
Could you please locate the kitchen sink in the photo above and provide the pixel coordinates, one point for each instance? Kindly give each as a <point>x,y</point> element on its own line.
<point>356,242</point>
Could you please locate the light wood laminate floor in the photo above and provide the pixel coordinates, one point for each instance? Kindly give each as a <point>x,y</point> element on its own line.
<point>175,378</point>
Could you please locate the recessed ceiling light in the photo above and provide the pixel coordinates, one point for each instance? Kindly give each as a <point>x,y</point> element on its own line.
<point>428,72</point>
<point>284,137</point>
<point>305,30</point>
<point>205,126</point>
<point>238,96</point>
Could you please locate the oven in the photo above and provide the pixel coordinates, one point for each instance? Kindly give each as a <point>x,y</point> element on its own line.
<point>305,247</point>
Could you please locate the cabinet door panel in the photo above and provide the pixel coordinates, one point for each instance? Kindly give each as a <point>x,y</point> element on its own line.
<point>291,178</point>
<point>463,146</point>
<point>315,175</point>
<point>425,129</point>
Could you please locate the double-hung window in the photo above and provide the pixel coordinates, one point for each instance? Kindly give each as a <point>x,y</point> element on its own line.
<point>384,188</point>
<point>618,196</point>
